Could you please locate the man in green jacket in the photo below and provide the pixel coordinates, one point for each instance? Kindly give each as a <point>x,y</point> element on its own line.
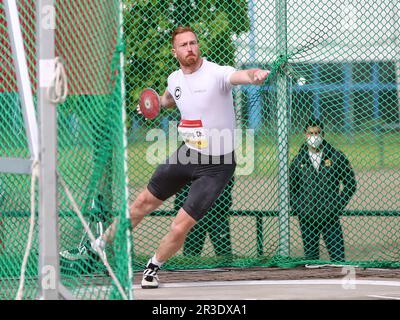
<point>321,182</point>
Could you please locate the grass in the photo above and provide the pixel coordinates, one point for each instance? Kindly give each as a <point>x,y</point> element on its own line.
<point>366,151</point>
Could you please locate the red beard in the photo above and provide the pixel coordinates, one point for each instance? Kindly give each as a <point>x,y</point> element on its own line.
<point>189,60</point>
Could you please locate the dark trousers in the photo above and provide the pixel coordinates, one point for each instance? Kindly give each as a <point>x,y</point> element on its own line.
<point>331,230</point>
<point>215,223</point>
<point>217,227</point>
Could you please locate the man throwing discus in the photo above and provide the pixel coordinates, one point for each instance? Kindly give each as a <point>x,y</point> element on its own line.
<point>202,91</point>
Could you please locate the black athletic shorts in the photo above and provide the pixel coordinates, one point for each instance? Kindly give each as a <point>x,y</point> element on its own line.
<point>208,176</point>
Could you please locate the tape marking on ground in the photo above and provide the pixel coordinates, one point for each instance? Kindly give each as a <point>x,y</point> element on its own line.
<point>275,282</point>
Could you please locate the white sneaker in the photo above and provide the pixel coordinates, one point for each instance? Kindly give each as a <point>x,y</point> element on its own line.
<point>84,251</point>
<point>99,251</point>
<point>150,278</point>
<point>81,252</point>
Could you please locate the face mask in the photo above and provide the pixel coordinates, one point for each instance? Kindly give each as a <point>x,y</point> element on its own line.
<point>314,141</point>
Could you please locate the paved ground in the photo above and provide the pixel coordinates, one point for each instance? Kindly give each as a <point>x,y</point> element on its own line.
<point>301,283</point>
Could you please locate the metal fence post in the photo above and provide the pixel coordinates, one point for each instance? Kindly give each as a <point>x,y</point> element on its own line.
<point>49,272</point>
<point>283,128</point>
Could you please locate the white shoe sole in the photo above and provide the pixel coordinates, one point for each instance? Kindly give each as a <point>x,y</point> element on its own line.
<point>149,284</point>
<point>71,256</point>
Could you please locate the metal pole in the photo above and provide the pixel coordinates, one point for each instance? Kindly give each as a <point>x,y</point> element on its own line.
<point>396,17</point>
<point>49,272</point>
<point>23,82</point>
<point>348,122</point>
<point>125,143</point>
<point>254,101</point>
<point>283,127</point>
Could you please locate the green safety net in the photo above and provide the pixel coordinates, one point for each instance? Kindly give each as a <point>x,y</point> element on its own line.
<point>90,153</point>
<point>335,61</point>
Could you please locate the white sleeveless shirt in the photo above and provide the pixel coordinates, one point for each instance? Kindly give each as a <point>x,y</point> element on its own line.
<point>204,99</point>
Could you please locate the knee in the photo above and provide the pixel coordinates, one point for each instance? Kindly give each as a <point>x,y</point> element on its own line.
<point>146,198</point>
<point>179,230</point>
<point>141,201</point>
<point>143,204</point>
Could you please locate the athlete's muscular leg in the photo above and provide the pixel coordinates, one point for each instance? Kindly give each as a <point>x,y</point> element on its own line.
<point>175,238</point>
<point>143,205</point>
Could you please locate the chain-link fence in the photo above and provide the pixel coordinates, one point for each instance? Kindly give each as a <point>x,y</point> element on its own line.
<point>336,61</point>
<point>90,147</point>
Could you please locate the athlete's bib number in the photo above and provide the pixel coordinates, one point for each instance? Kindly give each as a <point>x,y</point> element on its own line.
<point>193,133</point>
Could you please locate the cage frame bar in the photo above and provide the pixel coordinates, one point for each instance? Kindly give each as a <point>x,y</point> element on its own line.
<point>18,165</point>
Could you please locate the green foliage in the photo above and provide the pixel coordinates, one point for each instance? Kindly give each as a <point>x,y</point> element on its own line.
<point>148,26</point>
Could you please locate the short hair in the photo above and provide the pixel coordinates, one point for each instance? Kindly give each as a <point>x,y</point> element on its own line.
<point>179,30</point>
<point>314,122</point>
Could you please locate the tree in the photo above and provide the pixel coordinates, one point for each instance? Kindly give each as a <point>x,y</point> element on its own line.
<point>148,25</point>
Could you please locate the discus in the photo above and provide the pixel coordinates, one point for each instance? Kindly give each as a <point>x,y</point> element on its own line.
<point>149,103</point>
